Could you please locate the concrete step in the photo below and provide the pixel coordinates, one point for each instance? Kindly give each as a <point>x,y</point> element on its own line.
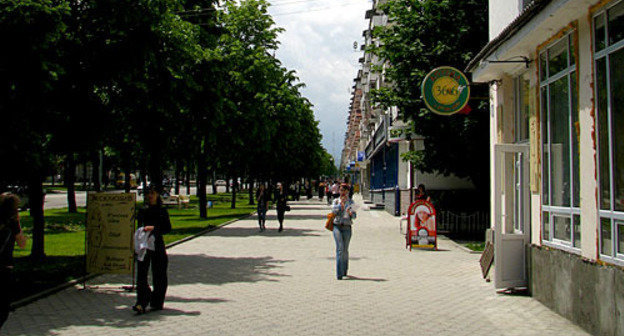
<point>377,207</point>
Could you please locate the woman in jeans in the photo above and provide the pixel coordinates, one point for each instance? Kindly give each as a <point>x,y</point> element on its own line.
<point>344,215</point>
<point>263,198</point>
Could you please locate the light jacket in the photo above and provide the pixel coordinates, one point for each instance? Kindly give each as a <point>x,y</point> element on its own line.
<point>342,216</point>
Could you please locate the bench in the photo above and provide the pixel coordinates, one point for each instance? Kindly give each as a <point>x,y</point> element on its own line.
<point>177,200</point>
<point>171,200</point>
<point>184,200</point>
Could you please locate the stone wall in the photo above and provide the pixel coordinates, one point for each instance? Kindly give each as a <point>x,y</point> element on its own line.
<point>390,200</point>
<point>588,294</point>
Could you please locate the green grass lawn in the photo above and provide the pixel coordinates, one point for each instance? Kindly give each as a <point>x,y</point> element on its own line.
<point>65,238</point>
<point>475,246</point>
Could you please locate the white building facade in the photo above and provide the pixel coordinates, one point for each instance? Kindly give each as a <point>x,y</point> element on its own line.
<point>557,153</point>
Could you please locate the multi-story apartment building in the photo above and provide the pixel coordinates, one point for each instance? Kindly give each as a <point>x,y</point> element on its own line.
<point>385,178</point>
<point>557,153</point>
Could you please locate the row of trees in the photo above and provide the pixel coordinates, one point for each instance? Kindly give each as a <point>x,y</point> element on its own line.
<point>154,85</point>
<point>422,35</point>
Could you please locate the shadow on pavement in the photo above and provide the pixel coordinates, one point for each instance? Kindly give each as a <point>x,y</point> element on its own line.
<point>204,269</point>
<point>171,298</point>
<point>290,216</point>
<point>271,231</point>
<point>326,208</point>
<point>195,217</point>
<point>351,277</point>
<point>93,308</point>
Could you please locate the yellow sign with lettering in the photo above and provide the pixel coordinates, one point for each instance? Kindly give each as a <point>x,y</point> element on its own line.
<point>445,90</point>
<point>110,232</point>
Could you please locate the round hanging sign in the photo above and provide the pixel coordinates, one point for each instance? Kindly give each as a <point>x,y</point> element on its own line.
<point>445,90</point>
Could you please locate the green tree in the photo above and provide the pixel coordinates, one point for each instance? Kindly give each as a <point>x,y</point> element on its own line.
<point>28,72</point>
<point>422,35</point>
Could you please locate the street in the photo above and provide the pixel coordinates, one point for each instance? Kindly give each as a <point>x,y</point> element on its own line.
<point>238,281</point>
<point>58,199</point>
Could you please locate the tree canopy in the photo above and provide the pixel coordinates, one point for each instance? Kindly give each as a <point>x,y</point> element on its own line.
<point>151,86</point>
<point>422,35</point>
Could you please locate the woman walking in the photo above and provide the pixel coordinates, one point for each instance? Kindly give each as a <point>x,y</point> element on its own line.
<point>263,198</point>
<point>153,219</point>
<point>344,215</point>
<point>281,204</point>
<point>10,233</point>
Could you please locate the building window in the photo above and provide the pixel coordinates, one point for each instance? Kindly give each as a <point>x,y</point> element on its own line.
<point>560,143</point>
<point>609,60</point>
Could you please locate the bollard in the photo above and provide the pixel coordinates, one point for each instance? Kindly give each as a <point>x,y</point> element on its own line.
<point>397,201</point>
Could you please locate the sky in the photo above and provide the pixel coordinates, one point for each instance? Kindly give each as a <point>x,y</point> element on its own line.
<point>318,45</point>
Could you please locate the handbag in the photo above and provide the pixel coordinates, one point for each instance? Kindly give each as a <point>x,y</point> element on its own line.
<point>329,225</point>
<point>287,208</point>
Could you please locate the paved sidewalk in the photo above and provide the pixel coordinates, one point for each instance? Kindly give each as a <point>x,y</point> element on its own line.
<point>237,281</point>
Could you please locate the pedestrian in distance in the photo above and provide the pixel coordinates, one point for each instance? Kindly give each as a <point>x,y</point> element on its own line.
<point>335,190</point>
<point>281,205</point>
<point>344,214</point>
<point>154,219</point>
<point>351,190</point>
<point>262,198</point>
<point>328,192</point>
<point>297,195</point>
<point>321,190</point>
<point>421,193</point>
<point>10,234</point>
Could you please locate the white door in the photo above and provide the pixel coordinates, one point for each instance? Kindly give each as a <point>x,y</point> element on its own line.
<point>511,209</point>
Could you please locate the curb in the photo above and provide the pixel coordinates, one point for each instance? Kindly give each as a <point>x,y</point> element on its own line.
<point>462,247</point>
<point>28,300</point>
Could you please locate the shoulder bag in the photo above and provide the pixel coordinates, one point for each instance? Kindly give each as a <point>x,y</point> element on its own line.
<point>329,225</point>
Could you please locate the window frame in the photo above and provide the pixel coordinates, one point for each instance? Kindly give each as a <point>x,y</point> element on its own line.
<point>545,81</point>
<point>615,217</point>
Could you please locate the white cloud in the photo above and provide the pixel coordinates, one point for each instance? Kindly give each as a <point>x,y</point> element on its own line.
<point>318,44</point>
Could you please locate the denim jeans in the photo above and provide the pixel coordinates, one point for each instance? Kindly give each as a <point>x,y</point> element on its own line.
<point>342,236</point>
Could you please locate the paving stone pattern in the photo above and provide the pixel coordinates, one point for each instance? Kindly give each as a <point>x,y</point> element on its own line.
<point>238,281</point>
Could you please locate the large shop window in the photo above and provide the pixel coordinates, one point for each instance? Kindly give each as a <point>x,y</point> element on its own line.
<point>385,165</point>
<point>609,62</point>
<point>560,142</point>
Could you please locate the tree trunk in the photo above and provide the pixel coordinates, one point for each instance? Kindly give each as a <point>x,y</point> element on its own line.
<point>227,185</point>
<point>202,176</point>
<point>177,177</point>
<point>96,172</point>
<point>214,183</point>
<point>35,196</point>
<point>127,177</point>
<point>70,179</point>
<point>154,169</point>
<point>143,173</point>
<point>85,172</point>
<point>251,195</point>
<point>234,188</point>
<point>188,180</point>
